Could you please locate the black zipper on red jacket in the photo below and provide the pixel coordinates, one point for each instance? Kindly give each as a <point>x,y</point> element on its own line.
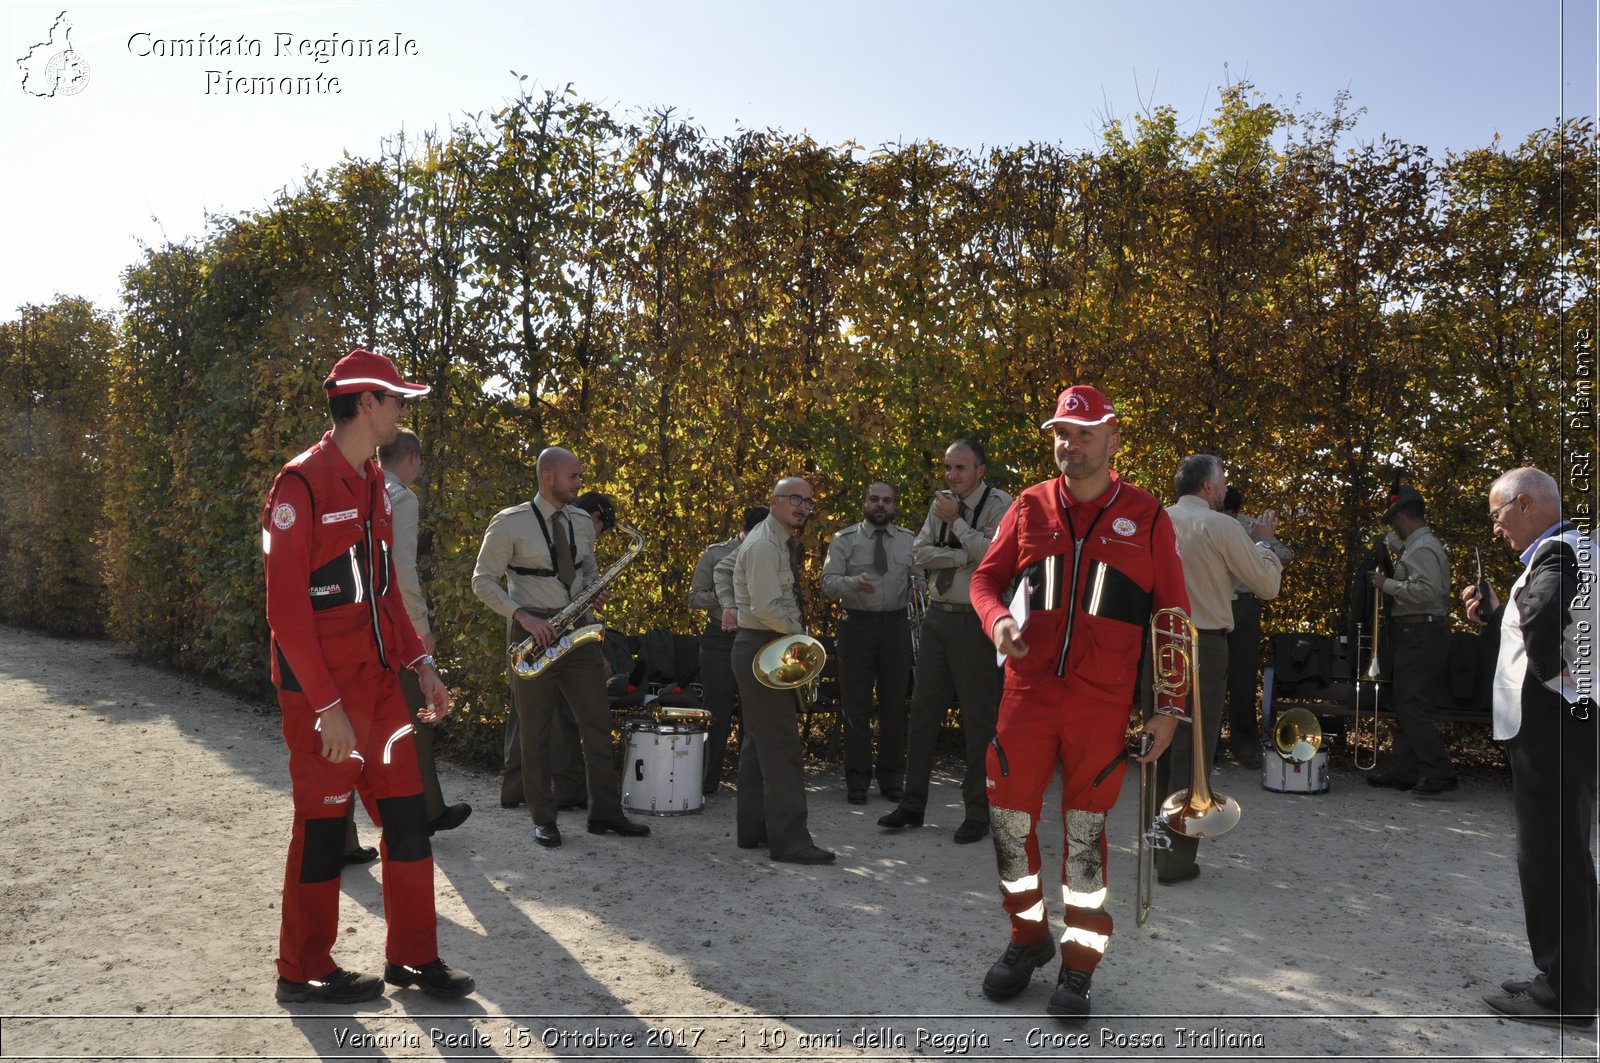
<point>1077,555</point>
<point>372,582</point>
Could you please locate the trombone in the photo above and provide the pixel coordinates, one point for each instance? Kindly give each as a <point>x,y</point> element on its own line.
<point>1199,811</point>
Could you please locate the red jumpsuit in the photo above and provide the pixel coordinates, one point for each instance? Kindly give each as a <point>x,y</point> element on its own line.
<point>339,634</point>
<point>1096,571</point>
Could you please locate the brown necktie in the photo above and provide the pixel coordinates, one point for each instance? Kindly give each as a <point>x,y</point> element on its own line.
<point>880,552</point>
<point>565,570</point>
<point>944,578</point>
<point>797,565</point>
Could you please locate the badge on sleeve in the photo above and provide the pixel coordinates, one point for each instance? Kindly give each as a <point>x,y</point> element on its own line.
<point>283,516</point>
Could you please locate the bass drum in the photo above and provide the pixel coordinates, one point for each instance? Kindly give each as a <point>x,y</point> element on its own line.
<point>662,771</point>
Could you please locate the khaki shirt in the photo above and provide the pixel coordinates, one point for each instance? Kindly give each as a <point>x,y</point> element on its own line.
<point>514,539</point>
<point>1281,552</point>
<point>851,553</point>
<point>703,589</point>
<point>1420,585</point>
<point>1216,551</point>
<point>406,512</point>
<point>763,581</point>
<point>971,538</point>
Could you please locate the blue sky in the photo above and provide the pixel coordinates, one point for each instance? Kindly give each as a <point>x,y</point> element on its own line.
<point>143,152</point>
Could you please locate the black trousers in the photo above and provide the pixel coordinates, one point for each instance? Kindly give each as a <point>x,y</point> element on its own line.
<point>1244,675</point>
<point>1421,651</point>
<point>1553,779</point>
<point>955,663</point>
<point>722,699</point>
<point>874,654</point>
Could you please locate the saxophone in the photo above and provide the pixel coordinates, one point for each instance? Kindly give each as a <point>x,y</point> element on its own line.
<point>529,661</point>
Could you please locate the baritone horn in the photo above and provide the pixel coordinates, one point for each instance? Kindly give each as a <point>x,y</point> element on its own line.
<point>1297,735</point>
<point>791,662</point>
<point>1198,812</point>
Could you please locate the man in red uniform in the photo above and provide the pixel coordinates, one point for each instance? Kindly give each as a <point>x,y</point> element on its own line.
<point>340,634</point>
<point>1097,556</point>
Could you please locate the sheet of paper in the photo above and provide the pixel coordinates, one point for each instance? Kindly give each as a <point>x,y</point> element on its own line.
<point>1019,613</point>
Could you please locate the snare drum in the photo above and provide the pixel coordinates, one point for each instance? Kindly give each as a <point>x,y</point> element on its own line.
<point>662,771</point>
<point>1284,776</point>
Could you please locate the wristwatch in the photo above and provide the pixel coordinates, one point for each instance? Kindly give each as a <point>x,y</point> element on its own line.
<point>425,660</point>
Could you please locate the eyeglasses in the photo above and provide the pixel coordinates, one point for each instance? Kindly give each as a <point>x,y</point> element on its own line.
<point>799,501</point>
<point>1494,514</point>
<point>400,400</point>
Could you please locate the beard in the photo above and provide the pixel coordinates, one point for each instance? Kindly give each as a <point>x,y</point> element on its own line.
<point>878,519</point>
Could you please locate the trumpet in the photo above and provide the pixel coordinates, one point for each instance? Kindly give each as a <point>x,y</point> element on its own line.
<point>1197,812</point>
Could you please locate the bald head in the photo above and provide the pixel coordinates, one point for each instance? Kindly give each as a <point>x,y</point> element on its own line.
<point>792,502</point>
<point>560,476</point>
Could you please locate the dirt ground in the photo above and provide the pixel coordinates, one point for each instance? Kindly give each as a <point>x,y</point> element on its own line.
<point>145,818</point>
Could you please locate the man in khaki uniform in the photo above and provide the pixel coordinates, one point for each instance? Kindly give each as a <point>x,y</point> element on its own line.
<point>716,643</point>
<point>869,572</point>
<point>766,590</point>
<point>536,557</point>
<point>956,660</point>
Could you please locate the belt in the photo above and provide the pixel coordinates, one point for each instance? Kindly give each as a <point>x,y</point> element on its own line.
<point>1243,594</point>
<point>1420,618</point>
<point>762,631</point>
<point>542,614</point>
<point>1211,631</point>
<point>951,607</point>
<point>873,614</point>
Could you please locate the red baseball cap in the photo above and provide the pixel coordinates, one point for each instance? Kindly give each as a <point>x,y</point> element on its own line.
<point>1082,404</point>
<point>364,371</point>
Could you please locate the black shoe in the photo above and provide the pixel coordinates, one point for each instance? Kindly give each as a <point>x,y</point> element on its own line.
<point>856,797</point>
<point>762,844</point>
<point>340,987</point>
<point>451,818</point>
<point>893,793</point>
<point>970,831</point>
<point>1384,780</point>
<point>580,805</point>
<point>1516,986</point>
<point>811,854</point>
<point>515,802</point>
<point>547,835</point>
<point>1434,787</point>
<point>1182,876</point>
<point>900,817</point>
<point>437,979</point>
<point>624,826</point>
<point>1013,971</point>
<point>1523,1008</point>
<point>361,854</point>
<point>1070,1001</point>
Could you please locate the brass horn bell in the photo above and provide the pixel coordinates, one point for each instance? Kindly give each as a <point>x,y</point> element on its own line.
<point>789,662</point>
<point>1297,735</point>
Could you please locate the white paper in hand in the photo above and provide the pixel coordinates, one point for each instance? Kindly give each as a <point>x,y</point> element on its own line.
<point>1019,613</point>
